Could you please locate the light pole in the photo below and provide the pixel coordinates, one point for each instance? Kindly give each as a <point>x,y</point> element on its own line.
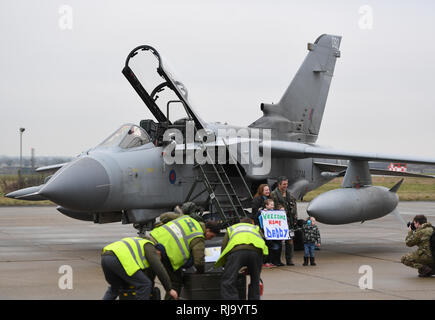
<point>21,156</point>
<point>21,146</point>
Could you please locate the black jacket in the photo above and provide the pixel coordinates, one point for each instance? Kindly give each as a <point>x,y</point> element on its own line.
<point>257,205</point>
<point>311,233</point>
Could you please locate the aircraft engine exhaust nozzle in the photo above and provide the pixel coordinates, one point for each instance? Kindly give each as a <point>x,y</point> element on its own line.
<point>349,205</point>
<point>82,185</point>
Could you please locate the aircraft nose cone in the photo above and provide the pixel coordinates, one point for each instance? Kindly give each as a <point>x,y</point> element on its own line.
<point>315,209</point>
<point>82,185</point>
<point>326,208</point>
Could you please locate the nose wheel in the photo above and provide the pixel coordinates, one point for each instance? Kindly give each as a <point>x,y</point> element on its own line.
<point>142,228</point>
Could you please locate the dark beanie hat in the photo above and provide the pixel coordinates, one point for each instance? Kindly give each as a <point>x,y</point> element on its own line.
<point>213,226</point>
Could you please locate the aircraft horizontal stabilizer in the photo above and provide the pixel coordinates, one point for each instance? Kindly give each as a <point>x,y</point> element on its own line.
<point>302,150</point>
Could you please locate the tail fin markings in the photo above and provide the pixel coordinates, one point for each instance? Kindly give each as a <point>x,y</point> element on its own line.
<point>298,115</point>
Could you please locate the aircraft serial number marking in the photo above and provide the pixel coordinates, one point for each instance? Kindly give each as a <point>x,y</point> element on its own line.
<point>299,173</point>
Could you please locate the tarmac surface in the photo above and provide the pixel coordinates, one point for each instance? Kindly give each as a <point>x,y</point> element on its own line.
<point>36,242</point>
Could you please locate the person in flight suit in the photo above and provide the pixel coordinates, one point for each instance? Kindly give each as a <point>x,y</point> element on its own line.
<point>282,197</point>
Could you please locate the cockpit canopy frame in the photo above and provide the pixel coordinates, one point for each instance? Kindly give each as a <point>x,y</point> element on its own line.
<point>168,81</point>
<point>128,136</point>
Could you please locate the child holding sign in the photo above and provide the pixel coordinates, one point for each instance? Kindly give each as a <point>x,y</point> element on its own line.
<point>275,246</point>
<point>268,205</point>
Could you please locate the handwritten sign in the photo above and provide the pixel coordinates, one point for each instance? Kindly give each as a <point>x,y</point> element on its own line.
<point>212,254</point>
<point>275,225</point>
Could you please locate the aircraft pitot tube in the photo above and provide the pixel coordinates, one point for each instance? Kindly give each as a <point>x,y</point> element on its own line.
<point>357,200</point>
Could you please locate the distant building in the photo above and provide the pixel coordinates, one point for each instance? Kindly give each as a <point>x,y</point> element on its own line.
<point>399,167</point>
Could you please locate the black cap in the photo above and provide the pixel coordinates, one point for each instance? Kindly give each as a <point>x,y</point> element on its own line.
<point>213,226</point>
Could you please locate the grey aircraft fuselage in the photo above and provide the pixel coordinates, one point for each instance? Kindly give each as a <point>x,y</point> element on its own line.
<point>138,181</point>
<point>126,177</point>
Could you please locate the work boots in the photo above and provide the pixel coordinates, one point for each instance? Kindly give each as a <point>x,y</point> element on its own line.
<point>312,261</point>
<point>290,263</point>
<point>425,271</point>
<point>289,252</point>
<point>305,261</point>
<point>275,258</point>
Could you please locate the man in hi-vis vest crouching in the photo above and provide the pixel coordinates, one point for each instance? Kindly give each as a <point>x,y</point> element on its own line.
<point>243,245</point>
<point>182,242</point>
<point>133,262</point>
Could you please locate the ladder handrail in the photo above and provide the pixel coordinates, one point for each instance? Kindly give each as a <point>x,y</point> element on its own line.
<point>212,194</point>
<point>231,201</point>
<point>238,170</point>
<point>232,188</point>
<point>221,181</point>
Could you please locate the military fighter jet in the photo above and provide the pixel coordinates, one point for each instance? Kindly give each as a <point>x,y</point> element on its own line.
<point>142,170</point>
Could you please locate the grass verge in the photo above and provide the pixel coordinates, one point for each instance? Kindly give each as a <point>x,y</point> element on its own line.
<point>412,189</point>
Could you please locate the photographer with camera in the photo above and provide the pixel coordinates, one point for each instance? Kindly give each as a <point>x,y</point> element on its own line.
<point>420,232</point>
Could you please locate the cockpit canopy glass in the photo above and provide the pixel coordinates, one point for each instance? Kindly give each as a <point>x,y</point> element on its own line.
<point>157,82</point>
<point>126,137</point>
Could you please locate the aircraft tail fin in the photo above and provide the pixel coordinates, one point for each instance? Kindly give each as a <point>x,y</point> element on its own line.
<point>396,187</point>
<point>298,115</point>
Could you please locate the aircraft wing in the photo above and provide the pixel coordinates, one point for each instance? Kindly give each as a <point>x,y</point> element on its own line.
<point>53,167</point>
<point>302,150</point>
<point>333,167</point>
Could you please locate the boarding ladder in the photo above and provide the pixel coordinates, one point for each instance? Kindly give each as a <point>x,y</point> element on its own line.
<point>223,197</point>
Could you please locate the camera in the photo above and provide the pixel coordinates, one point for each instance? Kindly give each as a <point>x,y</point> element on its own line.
<point>411,224</point>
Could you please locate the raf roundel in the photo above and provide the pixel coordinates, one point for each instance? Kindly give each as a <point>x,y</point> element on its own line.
<point>172,176</point>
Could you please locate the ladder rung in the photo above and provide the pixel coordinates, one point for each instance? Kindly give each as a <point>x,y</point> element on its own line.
<point>231,207</point>
<point>213,172</point>
<point>228,203</point>
<point>225,194</point>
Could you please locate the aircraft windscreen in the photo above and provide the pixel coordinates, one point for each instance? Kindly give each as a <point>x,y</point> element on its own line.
<point>115,138</point>
<point>135,137</point>
<point>128,136</point>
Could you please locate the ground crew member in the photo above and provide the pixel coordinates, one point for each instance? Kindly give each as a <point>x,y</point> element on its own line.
<point>419,235</point>
<point>243,245</point>
<point>133,262</point>
<point>188,208</point>
<point>282,197</point>
<point>182,242</point>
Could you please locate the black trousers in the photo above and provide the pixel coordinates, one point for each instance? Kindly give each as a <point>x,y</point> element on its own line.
<point>118,278</point>
<point>289,250</point>
<point>175,276</point>
<point>253,260</point>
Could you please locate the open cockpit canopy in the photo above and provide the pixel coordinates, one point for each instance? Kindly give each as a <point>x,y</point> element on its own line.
<point>164,95</point>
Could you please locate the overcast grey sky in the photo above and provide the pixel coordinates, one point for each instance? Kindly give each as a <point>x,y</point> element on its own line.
<point>66,88</point>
